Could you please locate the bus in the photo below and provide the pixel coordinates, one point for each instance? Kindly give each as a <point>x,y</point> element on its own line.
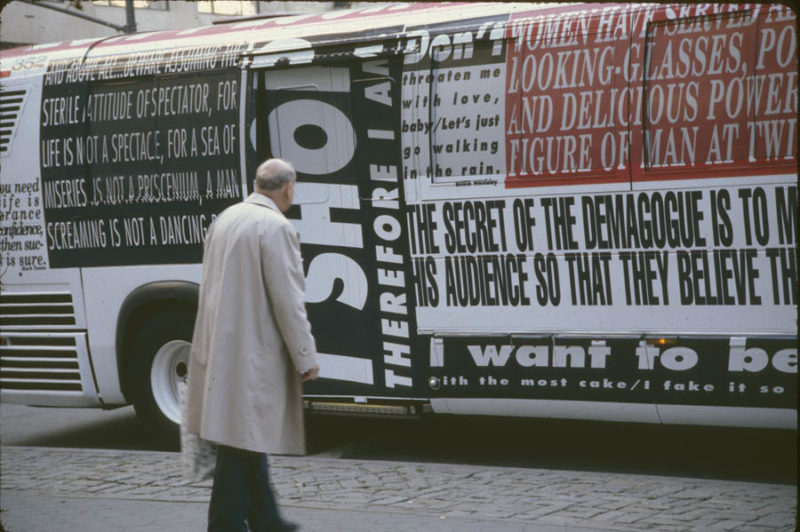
<point>583,211</point>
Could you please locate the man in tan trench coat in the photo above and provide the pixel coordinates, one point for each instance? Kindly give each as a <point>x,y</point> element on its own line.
<point>251,349</point>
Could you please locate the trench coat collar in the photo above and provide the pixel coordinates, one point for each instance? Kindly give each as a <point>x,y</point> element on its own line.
<point>261,199</point>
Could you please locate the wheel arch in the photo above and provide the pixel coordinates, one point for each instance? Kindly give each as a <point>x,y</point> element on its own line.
<point>138,306</point>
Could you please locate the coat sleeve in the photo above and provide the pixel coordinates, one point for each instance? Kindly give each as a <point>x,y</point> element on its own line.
<point>285,282</point>
<point>199,350</point>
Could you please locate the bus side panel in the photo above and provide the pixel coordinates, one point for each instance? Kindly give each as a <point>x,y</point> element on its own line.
<point>696,260</point>
<point>140,155</point>
<point>570,180</point>
<point>45,356</point>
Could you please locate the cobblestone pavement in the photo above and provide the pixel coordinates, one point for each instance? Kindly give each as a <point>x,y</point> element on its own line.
<point>528,497</point>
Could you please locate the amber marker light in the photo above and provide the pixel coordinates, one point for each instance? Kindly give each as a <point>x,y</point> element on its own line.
<point>661,342</point>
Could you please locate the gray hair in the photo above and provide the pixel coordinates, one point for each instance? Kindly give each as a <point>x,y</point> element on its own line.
<point>272,174</point>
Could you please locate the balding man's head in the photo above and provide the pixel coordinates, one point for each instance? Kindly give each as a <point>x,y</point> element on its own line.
<point>275,179</point>
<point>273,174</point>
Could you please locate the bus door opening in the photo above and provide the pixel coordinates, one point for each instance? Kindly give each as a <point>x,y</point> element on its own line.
<point>338,126</point>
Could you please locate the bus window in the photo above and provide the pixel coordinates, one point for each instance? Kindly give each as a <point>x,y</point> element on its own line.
<point>567,103</point>
<point>308,110</point>
<point>466,114</point>
<point>774,95</point>
<point>719,96</point>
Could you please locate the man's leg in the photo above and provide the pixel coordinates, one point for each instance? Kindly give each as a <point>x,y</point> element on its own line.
<point>264,514</point>
<point>230,499</point>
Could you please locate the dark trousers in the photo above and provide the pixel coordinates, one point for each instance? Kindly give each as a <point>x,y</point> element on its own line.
<point>241,492</point>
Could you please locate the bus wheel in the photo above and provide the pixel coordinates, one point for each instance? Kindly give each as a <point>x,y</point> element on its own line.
<point>159,363</point>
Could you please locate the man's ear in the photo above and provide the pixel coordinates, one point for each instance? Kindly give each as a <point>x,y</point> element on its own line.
<point>289,191</point>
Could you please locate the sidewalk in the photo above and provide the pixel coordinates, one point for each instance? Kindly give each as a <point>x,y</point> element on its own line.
<point>53,490</point>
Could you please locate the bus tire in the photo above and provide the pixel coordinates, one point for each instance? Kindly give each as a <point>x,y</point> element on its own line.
<point>159,362</point>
